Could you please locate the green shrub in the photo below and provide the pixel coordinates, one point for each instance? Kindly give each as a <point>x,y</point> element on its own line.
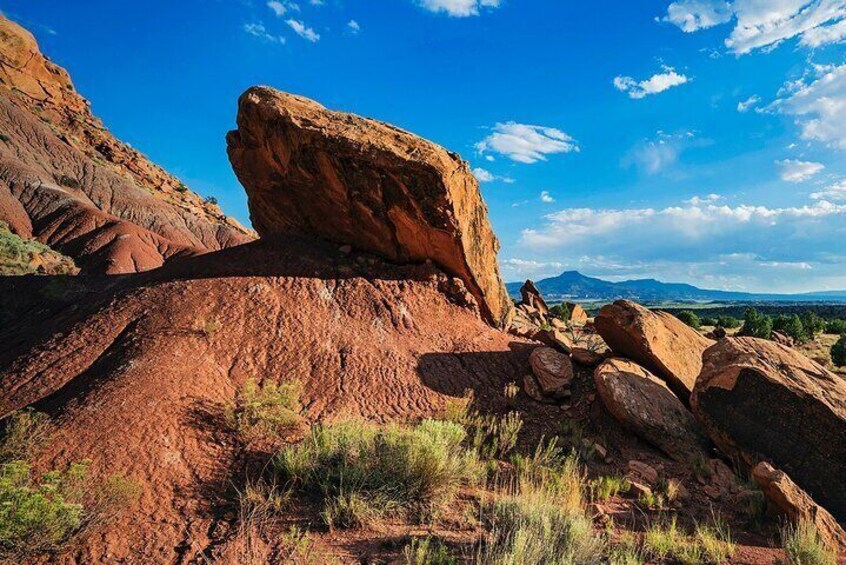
<point>38,515</point>
<point>494,437</point>
<point>728,322</point>
<point>709,543</point>
<point>813,324</point>
<point>560,311</point>
<point>835,327</point>
<point>428,551</point>
<point>838,352</point>
<point>542,520</point>
<point>271,411</point>
<point>709,322</point>
<point>690,318</point>
<point>361,470</point>
<point>803,545</point>
<point>26,430</point>
<point>604,488</point>
<point>756,325</point>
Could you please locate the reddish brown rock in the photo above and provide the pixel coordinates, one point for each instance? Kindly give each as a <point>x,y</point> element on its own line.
<point>352,180</point>
<point>587,357</point>
<point>67,182</point>
<point>553,370</point>
<point>795,503</point>
<point>532,297</point>
<point>646,406</point>
<point>578,315</point>
<point>783,339</point>
<point>657,340</point>
<point>758,400</point>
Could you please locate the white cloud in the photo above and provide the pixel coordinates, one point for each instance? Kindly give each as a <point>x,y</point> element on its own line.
<point>818,106</point>
<point>483,175</point>
<point>700,201</point>
<point>521,269</point>
<point>653,156</point>
<point>278,8</point>
<point>257,29</point>
<point>835,192</point>
<point>303,31</point>
<point>693,15</point>
<point>748,104</point>
<point>526,143</point>
<point>690,241</point>
<point>656,84</point>
<point>792,170</point>
<point>459,8</point>
<point>353,26</point>
<point>764,24</point>
<point>546,197</point>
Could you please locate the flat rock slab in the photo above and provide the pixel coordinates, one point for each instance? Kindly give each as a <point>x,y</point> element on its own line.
<point>658,341</point>
<point>356,181</point>
<point>645,405</point>
<point>758,400</point>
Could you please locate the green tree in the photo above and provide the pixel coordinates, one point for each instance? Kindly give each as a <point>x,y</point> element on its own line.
<point>838,352</point>
<point>728,322</point>
<point>690,318</point>
<point>560,311</point>
<point>708,322</point>
<point>756,324</point>
<point>836,327</point>
<point>813,324</point>
<point>791,326</point>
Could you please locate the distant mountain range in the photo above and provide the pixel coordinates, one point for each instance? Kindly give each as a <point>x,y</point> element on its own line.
<point>572,285</point>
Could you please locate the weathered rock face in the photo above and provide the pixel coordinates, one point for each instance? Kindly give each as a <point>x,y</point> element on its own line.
<point>553,370</point>
<point>657,340</point>
<point>795,503</point>
<point>645,405</point>
<point>532,297</point>
<point>66,181</point>
<point>352,180</point>
<point>758,400</point>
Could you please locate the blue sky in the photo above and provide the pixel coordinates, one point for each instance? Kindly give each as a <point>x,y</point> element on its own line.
<point>699,141</point>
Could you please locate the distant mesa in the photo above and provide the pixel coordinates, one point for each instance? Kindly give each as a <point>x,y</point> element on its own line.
<point>572,285</point>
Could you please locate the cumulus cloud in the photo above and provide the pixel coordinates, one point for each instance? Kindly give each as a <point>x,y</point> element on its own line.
<point>763,24</point>
<point>835,192</point>
<point>793,170</point>
<point>546,197</point>
<point>656,84</point>
<point>257,29</point>
<point>521,269</point>
<point>483,175</point>
<point>526,143</point>
<point>702,200</point>
<point>301,29</point>
<point>693,15</point>
<point>818,105</point>
<point>354,27</point>
<point>458,8</point>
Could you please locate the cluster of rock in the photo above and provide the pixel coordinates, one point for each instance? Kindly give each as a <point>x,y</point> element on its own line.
<point>765,407</point>
<point>566,342</point>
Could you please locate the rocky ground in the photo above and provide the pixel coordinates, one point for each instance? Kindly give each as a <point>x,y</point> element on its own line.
<point>392,312</point>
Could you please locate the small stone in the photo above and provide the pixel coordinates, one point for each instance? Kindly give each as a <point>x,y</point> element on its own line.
<point>643,472</point>
<point>345,249</point>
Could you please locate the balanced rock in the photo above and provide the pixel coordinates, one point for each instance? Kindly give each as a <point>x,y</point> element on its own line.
<point>532,297</point>
<point>356,181</point>
<point>553,370</point>
<point>657,340</point>
<point>645,405</point>
<point>795,503</point>
<point>758,400</point>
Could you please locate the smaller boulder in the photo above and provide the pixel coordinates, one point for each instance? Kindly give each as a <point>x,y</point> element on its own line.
<point>645,405</point>
<point>795,503</point>
<point>783,339</point>
<point>578,315</point>
<point>587,357</point>
<point>553,370</point>
<point>640,472</point>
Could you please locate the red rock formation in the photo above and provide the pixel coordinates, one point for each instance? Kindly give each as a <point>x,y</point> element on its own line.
<point>758,400</point>
<point>65,180</point>
<point>795,503</point>
<point>645,405</point>
<point>356,181</point>
<point>657,340</point>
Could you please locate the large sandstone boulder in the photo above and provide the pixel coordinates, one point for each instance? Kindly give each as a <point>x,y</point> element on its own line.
<point>645,405</point>
<point>553,370</point>
<point>795,503</point>
<point>758,400</point>
<point>578,315</point>
<point>657,340</point>
<point>356,181</point>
